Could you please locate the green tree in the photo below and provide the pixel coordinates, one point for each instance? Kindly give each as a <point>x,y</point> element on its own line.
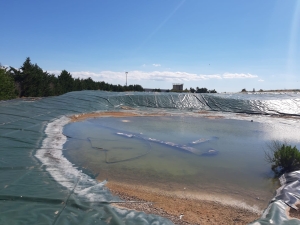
<point>53,85</point>
<point>31,80</point>
<point>66,81</point>
<point>137,87</point>
<point>89,84</point>
<point>7,86</point>
<point>77,85</point>
<point>201,90</point>
<point>28,79</point>
<point>16,75</point>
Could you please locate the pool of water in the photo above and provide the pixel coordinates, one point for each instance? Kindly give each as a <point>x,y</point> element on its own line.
<point>215,156</point>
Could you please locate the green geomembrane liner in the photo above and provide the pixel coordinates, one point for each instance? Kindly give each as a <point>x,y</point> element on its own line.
<point>40,186</point>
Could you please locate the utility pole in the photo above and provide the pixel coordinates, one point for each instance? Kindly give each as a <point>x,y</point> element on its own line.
<point>126,78</point>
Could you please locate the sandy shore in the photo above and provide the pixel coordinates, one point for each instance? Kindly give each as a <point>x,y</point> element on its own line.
<point>179,209</point>
<point>117,114</point>
<point>133,113</point>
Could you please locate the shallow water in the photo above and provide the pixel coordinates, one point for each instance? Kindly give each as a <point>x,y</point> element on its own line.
<point>173,152</point>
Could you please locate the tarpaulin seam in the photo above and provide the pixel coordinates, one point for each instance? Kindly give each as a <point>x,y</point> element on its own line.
<point>65,202</point>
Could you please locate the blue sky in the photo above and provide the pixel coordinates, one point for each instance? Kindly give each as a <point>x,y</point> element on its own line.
<point>223,45</point>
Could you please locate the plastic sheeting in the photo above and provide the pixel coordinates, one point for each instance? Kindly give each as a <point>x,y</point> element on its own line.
<point>39,186</point>
<point>288,195</point>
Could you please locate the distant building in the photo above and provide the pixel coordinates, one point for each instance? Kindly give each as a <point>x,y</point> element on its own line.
<point>177,87</point>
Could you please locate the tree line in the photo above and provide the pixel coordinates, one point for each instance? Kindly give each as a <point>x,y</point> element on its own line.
<point>192,90</point>
<point>31,81</point>
<point>202,90</point>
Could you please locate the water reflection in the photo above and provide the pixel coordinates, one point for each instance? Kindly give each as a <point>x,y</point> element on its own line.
<point>169,152</point>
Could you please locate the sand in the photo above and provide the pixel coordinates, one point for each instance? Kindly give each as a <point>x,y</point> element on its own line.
<point>117,114</point>
<point>81,117</point>
<point>178,208</point>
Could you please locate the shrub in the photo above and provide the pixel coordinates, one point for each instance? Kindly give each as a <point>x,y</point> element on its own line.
<point>284,158</point>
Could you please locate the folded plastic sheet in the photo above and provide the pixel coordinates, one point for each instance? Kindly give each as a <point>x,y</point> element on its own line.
<point>39,186</point>
<point>287,196</point>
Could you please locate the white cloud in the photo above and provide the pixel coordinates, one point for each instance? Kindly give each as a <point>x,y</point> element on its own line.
<point>238,75</point>
<point>156,65</point>
<point>169,76</point>
<point>112,76</point>
<point>260,80</point>
<point>55,72</point>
